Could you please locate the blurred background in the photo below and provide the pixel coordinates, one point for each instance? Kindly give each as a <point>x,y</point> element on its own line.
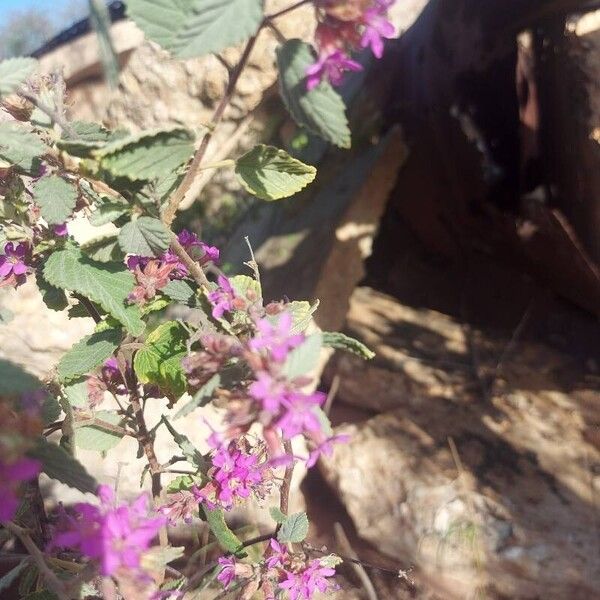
<point>458,238</point>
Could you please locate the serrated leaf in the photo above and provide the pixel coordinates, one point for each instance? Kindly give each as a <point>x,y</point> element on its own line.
<point>190,28</point>
<point>226,538</point>
<point>9,578</point>
<point>14,72</point>
<point>277,515</point>
<point>182,482</point>
<point>202,397</point>
<point>103,249</point>
<point>302,312</point>
<point>95,437</point>
<point>15,380</point>
<point>144,236</point>
<point>147,155</point>
<point>106,284</point>
<point>108,212</point>
<point>182,292</point>
<point>56,198</point>
<point>58,464</point>
<point>320,110</point>
<point>270,173</point>
<point>85,138</point>
<point>341,341</point>
<point>89,353</point>
<point>20,147</point>
<point>187,448</point>
<point>242,284</point>
<point>305,358</point>
<point>294,529</point>
<point>158,362</point>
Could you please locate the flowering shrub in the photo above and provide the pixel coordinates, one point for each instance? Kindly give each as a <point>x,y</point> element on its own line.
<point>250,358</point>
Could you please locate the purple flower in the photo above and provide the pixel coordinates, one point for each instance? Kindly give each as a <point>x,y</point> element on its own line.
<point>222,298</point>
<point>278,556</point>
<point>12,262</point>
<point>61,230</point>
<point>227,573</point>
<point>269,390</point>
<point>299,415</point>
<point>304,584</point>
<point>377,27</point>
<point>235,474</point>
<point>326,448</point>
<point>134,261</point>
<point>277,339</point>
<point>12,474</point>
<point>115,535</point>
<point>331,67</point>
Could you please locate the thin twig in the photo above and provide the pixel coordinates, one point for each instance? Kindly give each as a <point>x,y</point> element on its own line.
<point>285,11</point>
<point>286,484</point>
<point>51,579</point>
<point>193,267</point>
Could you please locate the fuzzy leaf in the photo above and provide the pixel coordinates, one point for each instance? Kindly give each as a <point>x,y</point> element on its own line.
<point>89,353</point>
<point>294,529</point>
<point>87,137</point>
<point>341,341</point>
<point>302,312</point>
<point>270,173</point>
<point>58,464</point>
<point>190,28</point>
<point>226,538</point>
<point>56,198</point>
<point>277,515</point>
<point>77,393</point>
<point>20,147</point>
<point>148,155</point>
<point>182,292</point>
<point>187,448</point>
<point>108,212</point>
<point>145,237</point>
<point>242,284</point>
<point>95,437</point>
<point>320,110</point>
<point>106,284</point>
<point>14,72</point>
<point>158,362</point>
<point>304,359</point>
<point>103,249</point>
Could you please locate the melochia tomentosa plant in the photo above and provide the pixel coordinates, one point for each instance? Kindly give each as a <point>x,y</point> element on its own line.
<point>248,357</point>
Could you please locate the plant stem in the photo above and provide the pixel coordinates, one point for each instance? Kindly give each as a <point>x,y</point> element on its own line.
<point>286,484</point>
<point>193,267</point>
<point>51,579</point>
<point>285,11</point>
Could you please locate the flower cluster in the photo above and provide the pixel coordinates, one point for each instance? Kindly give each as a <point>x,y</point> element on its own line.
<point>345,27</point>
<point>153,274</point>
<point>116,535</point>
<point>237,472</point>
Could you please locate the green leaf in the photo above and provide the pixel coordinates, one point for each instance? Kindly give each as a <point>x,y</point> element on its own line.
<point>242,284</point>
<point>86,138</point>
<point>108,212</point>
<point>58,464</point>
<point>20,147</point>
<point>89,353</point>
<point>106,284</point>
<point>144,236</point>
<point>95,437</point>
<point>226,538</point>
<point>103,249</point>
<point>320,110</point>
<point>14,380</point>
<point>50,410</point>
<point>76,392</point>
<point>148,155</point>
<point>270,173</point>
<point>158,362</point>
<point>14,72</point>
<point>10,577</point>
<point>53,297</point>
<point>190,28</point>
<point>305,358</point>
<point>182,292</point>
<point>294,529</point>
<point>277,515</point>
<point>341,341</point>
<point>56,198</point>
<point>183,482</point>
<point>187,448</point>
<point>202,397</point>
<point>301,312</point>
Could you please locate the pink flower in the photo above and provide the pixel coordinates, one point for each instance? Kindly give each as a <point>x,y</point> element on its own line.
<point>277,339</point>
<point>61,230</point>
<point>270,391</point>
<point>304,584</point>
<point>227,573</point>
<point>332,67</point>
<point>377,27</point>
<point>12,474</point>
<point>12,262</point>
<point>326,448</point>
<point>182,506</point>
<point>115,535</point>
<point>299,415</point>
<point>222,298</point>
